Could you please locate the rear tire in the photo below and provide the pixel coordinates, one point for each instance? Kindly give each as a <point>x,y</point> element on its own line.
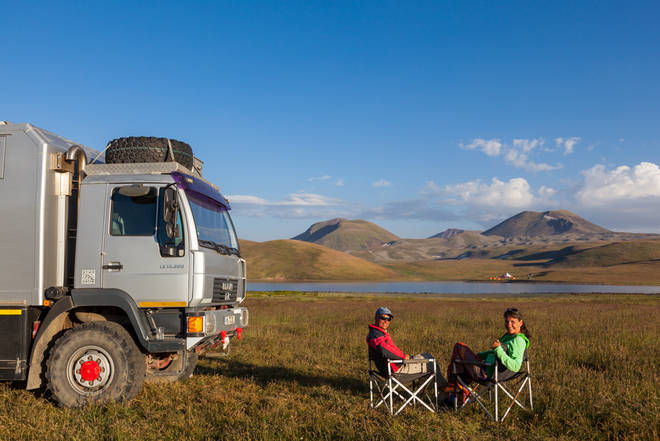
<point>147,149</point>
<point>95,362</point>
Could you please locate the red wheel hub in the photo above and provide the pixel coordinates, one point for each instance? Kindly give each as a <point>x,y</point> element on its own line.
<point>90,370</point>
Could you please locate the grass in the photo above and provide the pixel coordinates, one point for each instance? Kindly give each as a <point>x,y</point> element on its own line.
<point>300,373</point>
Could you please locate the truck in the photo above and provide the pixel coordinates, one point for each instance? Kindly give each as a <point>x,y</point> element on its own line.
<point>117,266</point>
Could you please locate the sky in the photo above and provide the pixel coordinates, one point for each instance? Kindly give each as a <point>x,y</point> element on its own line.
<point>417,116</point>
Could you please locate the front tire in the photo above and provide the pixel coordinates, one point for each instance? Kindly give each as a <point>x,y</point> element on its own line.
<point>95,362</point>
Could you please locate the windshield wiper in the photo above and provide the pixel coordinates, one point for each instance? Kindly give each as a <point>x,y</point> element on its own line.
<point>220,248</point>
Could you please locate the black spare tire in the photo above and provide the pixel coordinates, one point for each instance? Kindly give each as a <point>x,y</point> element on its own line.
<point>148,149</point>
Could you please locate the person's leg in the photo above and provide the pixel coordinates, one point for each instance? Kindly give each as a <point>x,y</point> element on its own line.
<point>467,372</point>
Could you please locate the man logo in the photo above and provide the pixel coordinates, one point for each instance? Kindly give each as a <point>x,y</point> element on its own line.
<point>227,286</point>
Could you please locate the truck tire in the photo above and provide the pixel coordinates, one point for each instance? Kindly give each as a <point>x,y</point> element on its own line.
<point>147,149</point>
<point>95,362</point>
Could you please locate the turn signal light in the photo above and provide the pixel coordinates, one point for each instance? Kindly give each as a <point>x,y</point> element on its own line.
<point>195,325</point>
<point>239,331</point>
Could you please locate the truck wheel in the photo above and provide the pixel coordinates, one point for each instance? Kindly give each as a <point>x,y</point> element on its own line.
<point>95,362</point>
<point>147,149</point>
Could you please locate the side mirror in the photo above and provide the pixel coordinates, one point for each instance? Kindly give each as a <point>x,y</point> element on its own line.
<point>170,206</point>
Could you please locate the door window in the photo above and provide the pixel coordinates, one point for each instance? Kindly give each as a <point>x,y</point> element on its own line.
<point>133,214</point>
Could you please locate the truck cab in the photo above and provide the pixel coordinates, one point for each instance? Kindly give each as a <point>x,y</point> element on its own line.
<point>166,239</point>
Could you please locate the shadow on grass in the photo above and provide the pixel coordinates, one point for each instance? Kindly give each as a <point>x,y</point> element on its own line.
<point>264,375</point>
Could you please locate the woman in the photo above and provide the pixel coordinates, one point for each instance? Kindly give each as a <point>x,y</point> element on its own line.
<point>508,349</point>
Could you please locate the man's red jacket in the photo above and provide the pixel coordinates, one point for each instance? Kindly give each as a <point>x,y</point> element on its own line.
<point>381,347</point>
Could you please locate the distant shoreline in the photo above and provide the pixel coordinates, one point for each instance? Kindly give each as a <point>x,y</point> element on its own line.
<point>494,282</point>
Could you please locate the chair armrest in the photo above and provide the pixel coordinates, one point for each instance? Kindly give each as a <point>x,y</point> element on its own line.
<point>412,361</point>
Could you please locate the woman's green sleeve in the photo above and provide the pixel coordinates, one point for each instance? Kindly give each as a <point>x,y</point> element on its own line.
<point>516,350</point>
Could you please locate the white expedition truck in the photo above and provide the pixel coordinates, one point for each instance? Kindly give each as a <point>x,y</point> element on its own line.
<point>111,273</point>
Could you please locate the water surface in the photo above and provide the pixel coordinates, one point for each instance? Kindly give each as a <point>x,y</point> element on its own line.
<point>450,287</point>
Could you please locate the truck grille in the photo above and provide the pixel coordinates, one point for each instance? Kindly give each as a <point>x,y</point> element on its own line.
<point>224,290</point>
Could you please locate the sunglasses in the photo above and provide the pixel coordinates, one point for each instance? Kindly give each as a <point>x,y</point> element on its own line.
<point>384,317</point>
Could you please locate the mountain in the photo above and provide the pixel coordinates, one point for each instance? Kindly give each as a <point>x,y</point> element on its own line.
<point>534,224</point>
<point>616,253</point>
<point>296,260</point>
<point>449,233</point>
<point>346,235</point>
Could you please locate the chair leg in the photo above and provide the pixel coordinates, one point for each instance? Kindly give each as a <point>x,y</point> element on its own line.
<point>391,397</point>
<point>529,384</point>
<point>497,402</point>
<point>371,391</point>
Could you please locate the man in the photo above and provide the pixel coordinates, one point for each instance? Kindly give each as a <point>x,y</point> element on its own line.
<point>382,347</point>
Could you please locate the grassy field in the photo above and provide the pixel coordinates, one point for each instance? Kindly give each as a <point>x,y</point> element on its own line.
<point>300,373</point>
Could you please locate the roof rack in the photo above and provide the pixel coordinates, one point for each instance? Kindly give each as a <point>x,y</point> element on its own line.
<point>143,168</point>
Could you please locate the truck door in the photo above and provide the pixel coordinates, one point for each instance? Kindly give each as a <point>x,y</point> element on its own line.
<point>138,257</point>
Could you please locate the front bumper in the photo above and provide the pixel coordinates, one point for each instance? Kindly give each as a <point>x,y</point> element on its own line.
<point>215,322</point>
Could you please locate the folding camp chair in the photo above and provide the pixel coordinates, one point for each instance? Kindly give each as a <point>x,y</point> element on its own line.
<point>402,389</point>
<point>486,392</point>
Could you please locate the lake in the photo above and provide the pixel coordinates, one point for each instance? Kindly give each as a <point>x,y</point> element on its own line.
<point>450,287</point>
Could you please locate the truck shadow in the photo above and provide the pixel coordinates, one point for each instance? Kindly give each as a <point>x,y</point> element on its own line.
<point>268,374</point>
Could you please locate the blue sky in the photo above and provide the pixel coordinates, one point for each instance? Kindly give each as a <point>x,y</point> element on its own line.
<point>418,116</point>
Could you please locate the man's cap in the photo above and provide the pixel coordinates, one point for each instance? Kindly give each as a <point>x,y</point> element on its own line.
<point>384,311</point>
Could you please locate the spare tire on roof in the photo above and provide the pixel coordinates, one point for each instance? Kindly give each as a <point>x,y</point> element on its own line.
<point>147,149</point>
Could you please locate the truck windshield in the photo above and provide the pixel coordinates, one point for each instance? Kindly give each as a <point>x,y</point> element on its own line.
<point>215,229</point>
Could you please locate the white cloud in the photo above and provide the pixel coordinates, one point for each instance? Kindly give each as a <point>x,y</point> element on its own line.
<point>308,199</point>
<point>546,192</point>
<point>622,185</point>
<point>624,198</point>
<point>516,154</point>
<point>381,183</point>
<point>294,205</point>
<point>520,160</point>
<point>431,188</point>
<point>491,147</point>
<point>339,182</point>
<point>515,193</point>
<point>319,178</point>
<point>567,143</point>
<point>528,144</point>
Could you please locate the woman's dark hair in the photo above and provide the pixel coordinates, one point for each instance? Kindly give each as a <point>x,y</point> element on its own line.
<point>513,312</point>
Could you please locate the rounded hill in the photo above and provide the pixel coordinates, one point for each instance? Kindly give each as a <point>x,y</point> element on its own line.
<point>347,235</point>
<point>297,260</point>
<point>548,223</point>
